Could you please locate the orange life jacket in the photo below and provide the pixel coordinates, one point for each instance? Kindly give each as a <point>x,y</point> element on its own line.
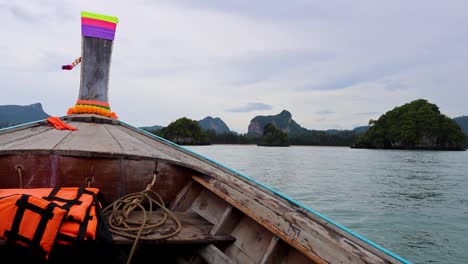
<point>30,221</point>
<point>73,231</point>
<point>81,221</point>
<point>76,199</point>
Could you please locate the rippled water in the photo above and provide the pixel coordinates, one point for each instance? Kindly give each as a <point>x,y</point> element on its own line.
<point>414,203</point>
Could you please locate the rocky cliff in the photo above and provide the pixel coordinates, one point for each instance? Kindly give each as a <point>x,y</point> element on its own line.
<point>215,124</point>
<point>282,121</point>
<point>462,121</point>
<point>11,115</point>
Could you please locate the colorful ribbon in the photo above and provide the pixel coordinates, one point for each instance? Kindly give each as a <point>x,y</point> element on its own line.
<point>72,65</point>
<point>98,26</point>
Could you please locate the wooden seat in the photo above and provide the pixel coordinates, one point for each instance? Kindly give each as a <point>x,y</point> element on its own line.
<point>195,230</point>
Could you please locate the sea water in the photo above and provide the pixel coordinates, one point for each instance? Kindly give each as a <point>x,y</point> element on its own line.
<point>413,203</point>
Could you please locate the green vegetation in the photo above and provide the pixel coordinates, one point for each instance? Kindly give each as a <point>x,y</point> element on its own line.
<point>184,131</point>
<point>273,136</point>
<point>229,138</point>
<point>415,125</point>
<point>325,138</point>
<point>314,138</point>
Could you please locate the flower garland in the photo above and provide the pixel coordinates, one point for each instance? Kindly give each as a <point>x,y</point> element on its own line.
<point>92,107</point>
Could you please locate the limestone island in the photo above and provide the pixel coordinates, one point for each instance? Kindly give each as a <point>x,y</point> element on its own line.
<point>417,125</point>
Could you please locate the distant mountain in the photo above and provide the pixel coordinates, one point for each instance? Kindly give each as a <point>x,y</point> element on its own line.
<point>361,129</point>
<point>216,124</point>
<point>151,128</point>
<point>462,121</point>
<point>282,121</point>
<point>11,115</point>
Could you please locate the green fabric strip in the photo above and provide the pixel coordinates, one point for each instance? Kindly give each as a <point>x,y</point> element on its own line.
<point>100,17</point>
<point>100,106</point>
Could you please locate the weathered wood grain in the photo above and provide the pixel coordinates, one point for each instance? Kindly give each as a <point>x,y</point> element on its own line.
<point>227,222</point>
<point>45,140</point>
<point>271,248</point>
<point>209,206</point>
<point>212,255</point>
<point>92,138</point>
<point>13,136</point>
<point>180,195</point>
<point>252,238</point>
<point>95,67</point>
<point>8,130</point>
<point>130,145</point>
<point>185,202</point>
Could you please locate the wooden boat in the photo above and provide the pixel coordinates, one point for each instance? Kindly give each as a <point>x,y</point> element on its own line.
<point>224,216</point>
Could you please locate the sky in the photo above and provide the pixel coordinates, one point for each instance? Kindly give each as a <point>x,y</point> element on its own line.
<point>332,64</point>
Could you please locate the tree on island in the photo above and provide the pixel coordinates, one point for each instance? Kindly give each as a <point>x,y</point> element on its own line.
<point>415,125</point>
<point>184,131</point>
<point>273,136</point>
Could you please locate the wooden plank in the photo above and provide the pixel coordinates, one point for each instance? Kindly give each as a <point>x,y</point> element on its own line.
<point>179,196</point>
<point>269,219</point>
<point>91,137</point>
<point>271,247</point>
<point>186,201</point>
<point>295,257</point>
<point>252,238</point>
<point>239,256</point>
<point>46,140</point>
<point>18,135</point>
<point>209,206</point>
<point>279,252</point>
<point>227,222</point>
<point>159,149</point>
<point>195,230</point>
<point>212,255</point>
<point>25,126</point>
<point>131,145</point>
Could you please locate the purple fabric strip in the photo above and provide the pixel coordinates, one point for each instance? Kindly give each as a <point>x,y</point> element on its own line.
<point>97,32</point>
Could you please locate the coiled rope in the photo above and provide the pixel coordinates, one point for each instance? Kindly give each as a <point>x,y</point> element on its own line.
<point>120,222</point>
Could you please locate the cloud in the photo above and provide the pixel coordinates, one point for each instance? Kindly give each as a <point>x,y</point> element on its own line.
<point>394,85</point>
<point>266,65</point>
<point>325,112</point>
<point>343,78</point>
<point>367,113</point>
<point>250,107</point>
<point>276,10</point>
<point>37,12</point>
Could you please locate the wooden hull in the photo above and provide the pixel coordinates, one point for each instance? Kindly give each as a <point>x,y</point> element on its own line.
<point>226,217</point>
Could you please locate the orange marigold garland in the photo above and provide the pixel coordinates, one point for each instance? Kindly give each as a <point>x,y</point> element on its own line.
<point>91,107</point>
